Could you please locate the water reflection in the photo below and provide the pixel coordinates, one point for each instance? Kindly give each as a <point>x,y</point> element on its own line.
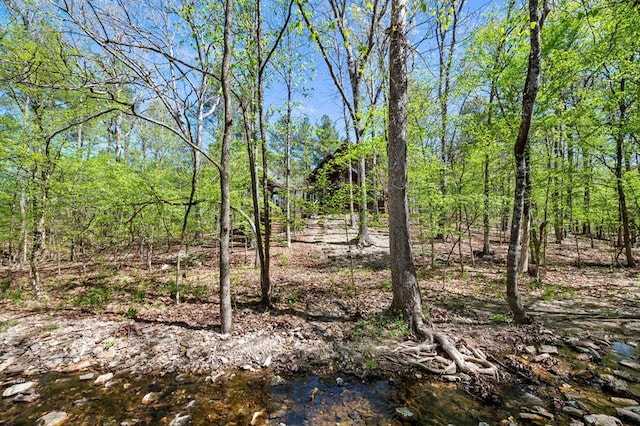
<point>246,398</point>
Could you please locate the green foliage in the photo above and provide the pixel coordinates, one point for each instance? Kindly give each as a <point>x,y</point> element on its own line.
<point>97,297</point>
<point>499,319</point>
<point>380,326</point>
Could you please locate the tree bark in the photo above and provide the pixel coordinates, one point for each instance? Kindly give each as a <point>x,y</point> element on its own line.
<point>622,201</point>
<point>529,95</point>
<point>226,323</point>
<point>265,276</point>
<point>406,294</point>
<point>523,259</point>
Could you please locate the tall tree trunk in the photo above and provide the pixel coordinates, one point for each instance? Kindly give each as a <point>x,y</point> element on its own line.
<point>287,160</point>
<point>446,23</point>
<point>529,95</point>
<point>265,276</point>
<point>406,294</point>
<point>226,322</point>
<point>622,203</point>
<point>523,259</point>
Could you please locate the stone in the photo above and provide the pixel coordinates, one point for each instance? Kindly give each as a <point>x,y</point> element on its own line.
<point>626,376</point>
<point>88,376</point>
<point>112,383</point>
<point>7,363</point>
<point>630,364</point>
<point>602,420</point>
<point>629,415</point>
<point>548,349</point>
<point>107,354</point>
<point>151,397</point>
<point>28,398</point>
<point>267,362</point>
<point>531,350</point>
<point>77,366</point>
<point>614,384</point>
<point>102,379</point>
<point>181,419</point>
<point>543,412</point>
<point>583,375</point>
<point>16,389</point>
<point>541,357</point>
<point>532,398</point>
<point>339,381</point>
<point>533,418</point>
<point>53,418</point>
<point>405,413</point>
<point>276,380</point>
<point>627,402</point>
<point>573,411</point>
<point>256,417</point>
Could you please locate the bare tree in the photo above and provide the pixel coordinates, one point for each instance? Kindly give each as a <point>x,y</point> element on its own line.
<point>357,44</point>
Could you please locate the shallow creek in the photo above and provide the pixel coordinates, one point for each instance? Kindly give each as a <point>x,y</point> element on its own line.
<point>245,397</point>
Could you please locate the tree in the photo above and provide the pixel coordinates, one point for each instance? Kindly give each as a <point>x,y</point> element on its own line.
<point>406,294</point>
<point>529,93</point>
<point>226,320</point>
<point>352,30</point>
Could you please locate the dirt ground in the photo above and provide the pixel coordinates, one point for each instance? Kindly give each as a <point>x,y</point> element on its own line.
<point>330,304</point>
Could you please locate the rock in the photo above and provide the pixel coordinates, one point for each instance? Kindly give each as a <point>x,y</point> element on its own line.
<point>31,397</point>
<point>548,349</point>
<point>626,376</point>
<point>151,397</point>
<point>16,389</point>
<point>355,417</point>
<point>602,420</point>
<point>107,354</point>
<point>7,363</point>
<point>583,375</point>
<point>531,350</point>
<point>627,402</point>
<point>83,401</point>
<point>102,379</point>
<point>181,419</point>
<point>542,412</point>
<point>267,362</point>
<point>276,380</point>
<point>630,364</point>
<point>112,383</point>
<point>532,398</point>
<point>534,418</point>
<point>629,415</point>
<point>77,366</point>
<point>53,418</point>
<point>256,417</point>
<point>405,413</point>
<point>88,376</point>
<point>339,381</point>
<point>614,384</point>
<point>541,357</point>
<point>573,411</point>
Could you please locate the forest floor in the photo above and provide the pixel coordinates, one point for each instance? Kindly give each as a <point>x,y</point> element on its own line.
<point>115,315</point>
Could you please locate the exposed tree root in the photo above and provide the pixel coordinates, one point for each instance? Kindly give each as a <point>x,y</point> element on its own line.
<point>424,355</point>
